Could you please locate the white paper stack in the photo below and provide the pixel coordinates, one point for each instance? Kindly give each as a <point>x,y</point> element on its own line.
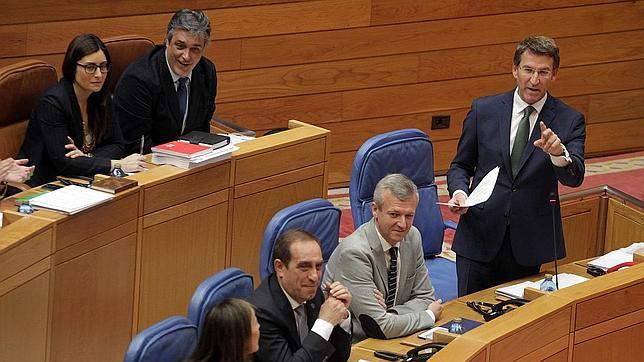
<point>616,257</point>
<point>70,199</point>
<point>516,290</point>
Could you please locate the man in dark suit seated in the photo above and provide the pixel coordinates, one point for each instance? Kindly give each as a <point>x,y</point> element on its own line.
<point>171,90</point>
<point>296,322</point>
<point>537,141</point>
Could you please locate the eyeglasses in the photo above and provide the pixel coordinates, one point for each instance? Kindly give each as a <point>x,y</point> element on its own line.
<point>90,68</point>
<point>541,73</point>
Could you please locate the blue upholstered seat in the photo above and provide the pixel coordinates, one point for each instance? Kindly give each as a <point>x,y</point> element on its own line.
<point>228,283</point>
<point>171,340</point>
<point>317,216</point>
<point>410,152</point>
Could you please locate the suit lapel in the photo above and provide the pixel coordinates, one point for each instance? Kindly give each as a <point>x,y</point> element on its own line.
<point>378,253</point>
<point>505,119</point>
<point>284,308</point>
<point>167,84</point>
<point>194,96</point>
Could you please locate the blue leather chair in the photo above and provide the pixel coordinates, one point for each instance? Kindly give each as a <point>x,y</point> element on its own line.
<point>410,152</point>
<point>171,340</point>
<point>228,283</point>
<point>317,216</point>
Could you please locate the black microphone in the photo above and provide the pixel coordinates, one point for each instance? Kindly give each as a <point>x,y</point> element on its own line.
<point>553,202</point>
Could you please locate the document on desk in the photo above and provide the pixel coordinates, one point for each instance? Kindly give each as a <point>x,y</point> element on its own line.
<point>516,290</point>
<point>616,257</point>
<point>70,199</point>
<point>483,190</point>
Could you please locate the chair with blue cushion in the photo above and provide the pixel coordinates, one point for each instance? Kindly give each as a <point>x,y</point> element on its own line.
<point>171,340</point>
<point>410,152</point>
<point>228,283</point>
<point>317,216</point>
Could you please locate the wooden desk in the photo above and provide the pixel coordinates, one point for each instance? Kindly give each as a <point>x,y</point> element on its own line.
<point>599,320</point>
<point>79,287</point>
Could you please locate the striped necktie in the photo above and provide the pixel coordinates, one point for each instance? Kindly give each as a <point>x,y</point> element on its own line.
<point>391,277</point>
<point>300,321</point>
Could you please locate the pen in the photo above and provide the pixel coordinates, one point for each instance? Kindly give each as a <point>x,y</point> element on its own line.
<point>142,143</point>
<point>68,182</point>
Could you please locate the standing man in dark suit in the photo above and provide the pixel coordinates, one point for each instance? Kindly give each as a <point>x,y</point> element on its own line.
<point>537,141</point>
<point>296,322</point>
<point>171,90</point>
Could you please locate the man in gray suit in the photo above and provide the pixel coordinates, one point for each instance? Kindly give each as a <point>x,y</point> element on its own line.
<point>382,264</point>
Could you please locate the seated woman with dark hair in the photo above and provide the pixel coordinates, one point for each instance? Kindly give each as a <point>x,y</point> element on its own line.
<point>71,131</point>
<point>230,333</point>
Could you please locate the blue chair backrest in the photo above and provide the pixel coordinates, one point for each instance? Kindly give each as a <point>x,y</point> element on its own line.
<point>171,340</point>
<point>317,216</point>
<point>228,283</point>
<point>406,151</point>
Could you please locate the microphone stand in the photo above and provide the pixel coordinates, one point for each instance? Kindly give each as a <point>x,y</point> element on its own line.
<point>553,202</point>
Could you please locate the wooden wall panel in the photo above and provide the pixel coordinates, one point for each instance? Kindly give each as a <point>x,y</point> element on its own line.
<point>313,78</point>
<point>368,66</point>
<point>440,34</point>
<point>624,225</point>
<point>309,16</point>
<point>580,224</point>
<point>600,137</point>
<point>265,114</point>
<point>55,10</point>
<point>392,12</point>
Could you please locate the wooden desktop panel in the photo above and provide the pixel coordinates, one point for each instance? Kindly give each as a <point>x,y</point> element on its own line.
<point>25,273</point>
<point>24,316</point>
<point>93,297</point>
<point>599,320</point>
<point>79,286</point>
<point>177,255</point>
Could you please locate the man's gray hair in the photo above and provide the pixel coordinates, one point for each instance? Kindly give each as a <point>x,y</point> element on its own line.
<point>398,184</point>
<point>194,22</point>
<point>539,45</point>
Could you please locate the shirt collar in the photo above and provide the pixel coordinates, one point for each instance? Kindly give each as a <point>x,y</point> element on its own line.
<point>174,75</point>
<point>385,245</point>
<point>519,104</point>
<point>294,304</point>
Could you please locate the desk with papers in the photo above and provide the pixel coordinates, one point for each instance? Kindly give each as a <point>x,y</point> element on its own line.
<point>598,320</point>
<point>78,287</point>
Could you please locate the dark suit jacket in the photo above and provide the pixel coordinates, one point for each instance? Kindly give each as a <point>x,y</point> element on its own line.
<point>279,340</point>
<point>56,116</point>
<point>522,202</point>
<point>146,102</point>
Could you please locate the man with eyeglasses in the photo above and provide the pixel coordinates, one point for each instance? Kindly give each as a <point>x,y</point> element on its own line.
<point>171,90</point>
<point>537,141</point>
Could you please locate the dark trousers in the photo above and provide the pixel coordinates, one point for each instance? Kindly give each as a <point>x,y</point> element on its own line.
<point>475,275</point>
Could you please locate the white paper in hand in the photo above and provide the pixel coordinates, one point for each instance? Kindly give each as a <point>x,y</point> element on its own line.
<point>482,192</point>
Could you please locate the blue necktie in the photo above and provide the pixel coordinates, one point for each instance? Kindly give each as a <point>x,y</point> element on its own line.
<point>182,97</point>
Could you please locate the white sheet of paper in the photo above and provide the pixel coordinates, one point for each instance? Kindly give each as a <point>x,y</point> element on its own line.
<point>482,192</point>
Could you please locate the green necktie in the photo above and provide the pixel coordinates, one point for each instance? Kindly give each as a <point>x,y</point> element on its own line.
<point>520,140</point>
